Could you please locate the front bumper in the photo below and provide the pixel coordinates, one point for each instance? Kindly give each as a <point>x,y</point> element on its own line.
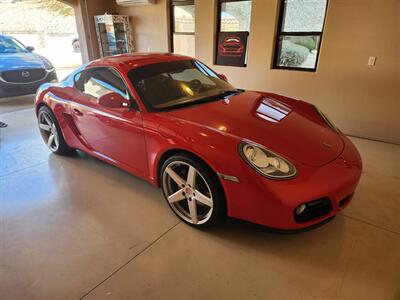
<point>272,202</point>
<point>18,89</point>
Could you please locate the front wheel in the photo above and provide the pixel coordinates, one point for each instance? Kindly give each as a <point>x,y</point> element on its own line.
<point>51,132</point>
<point>193,191</point>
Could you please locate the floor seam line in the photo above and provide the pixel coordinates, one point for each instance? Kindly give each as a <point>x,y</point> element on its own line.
<point>368,223</point>
<point>23,169</point>
<point>15,111</point>
<point>372,139</point>
<point>129,261</point>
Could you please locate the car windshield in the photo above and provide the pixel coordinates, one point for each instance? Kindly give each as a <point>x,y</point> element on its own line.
<point>10,45</point>
<point>170,85</point>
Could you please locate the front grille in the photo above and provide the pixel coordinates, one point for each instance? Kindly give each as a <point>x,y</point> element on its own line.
<point>23,76</point>
<point>314,209</point>
<point>232,47</point>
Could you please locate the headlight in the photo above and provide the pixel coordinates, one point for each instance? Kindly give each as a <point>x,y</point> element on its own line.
<point>326,119</point>
<point>267,163</point>
<point>47,64</point>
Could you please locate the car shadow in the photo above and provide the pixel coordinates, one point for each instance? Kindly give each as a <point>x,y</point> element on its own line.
<point>323,242</point>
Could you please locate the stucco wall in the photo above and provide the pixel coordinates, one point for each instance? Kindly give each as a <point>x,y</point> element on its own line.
<point>150,26</point>
<point>362,100</point>
<point>85,10</point>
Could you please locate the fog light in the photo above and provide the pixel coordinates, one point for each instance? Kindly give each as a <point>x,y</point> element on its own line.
<point>300,209</point>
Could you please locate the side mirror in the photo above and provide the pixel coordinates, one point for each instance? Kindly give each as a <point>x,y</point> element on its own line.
<point>113,100</point>
<point>30,48</point>
<point>223,77</point>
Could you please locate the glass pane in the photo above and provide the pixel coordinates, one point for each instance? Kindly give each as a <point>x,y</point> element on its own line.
<point>303,15</point>
<point>235,16</point>
<point>176,84</point>
<point>184,44</point>
<point>298,51</point>
<point>100,81</point>
<point>184,18</point>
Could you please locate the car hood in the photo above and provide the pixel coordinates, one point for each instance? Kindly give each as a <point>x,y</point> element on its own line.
<point>18,61</point>
<point>294,131</point>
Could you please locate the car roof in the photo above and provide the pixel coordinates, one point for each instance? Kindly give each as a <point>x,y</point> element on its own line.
<point>136,60</point>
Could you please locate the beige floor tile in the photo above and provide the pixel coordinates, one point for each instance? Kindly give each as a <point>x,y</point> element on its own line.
<point>68,223</point>
<point>377,199</point>
<point>344,259</point>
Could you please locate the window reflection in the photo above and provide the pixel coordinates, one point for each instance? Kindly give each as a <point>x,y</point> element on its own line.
<point>271,110</point>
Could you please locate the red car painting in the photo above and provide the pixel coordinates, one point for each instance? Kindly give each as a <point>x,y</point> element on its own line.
<point>231,46</point>
<point>213,149</point>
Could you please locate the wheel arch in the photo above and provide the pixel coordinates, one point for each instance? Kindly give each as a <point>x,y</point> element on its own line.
<point>44,104</point>
<point>171,152</point>
<point>39,105</point>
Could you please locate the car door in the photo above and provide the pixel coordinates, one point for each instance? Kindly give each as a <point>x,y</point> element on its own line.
<point>115,134</point>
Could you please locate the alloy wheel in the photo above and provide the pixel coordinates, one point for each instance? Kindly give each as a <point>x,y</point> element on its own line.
<point>48,131</point>
<point>187,192</point>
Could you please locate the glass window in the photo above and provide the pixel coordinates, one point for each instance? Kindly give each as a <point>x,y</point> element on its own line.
<point>183,27</point>
<point>97,82</point>
<point>176,84</point>
<point>235,16</point>
<point>303,15</point>
<point>184,44</point>
<point>233,28</point>
<point>299,36</point>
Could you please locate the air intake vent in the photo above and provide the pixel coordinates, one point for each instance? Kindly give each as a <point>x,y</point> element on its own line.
<point>314,209</point>
<point>344,201</point>
<point>71,124</point>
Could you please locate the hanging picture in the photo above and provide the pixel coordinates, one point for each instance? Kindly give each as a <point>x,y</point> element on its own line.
<point>232,48</point>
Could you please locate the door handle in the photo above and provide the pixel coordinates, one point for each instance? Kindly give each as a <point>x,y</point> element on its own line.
<point>77,112</point>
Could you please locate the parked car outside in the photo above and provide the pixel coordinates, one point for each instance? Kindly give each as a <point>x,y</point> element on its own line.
<point>21,70</point>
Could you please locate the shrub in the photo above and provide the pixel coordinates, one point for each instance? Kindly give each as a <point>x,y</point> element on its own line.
<point>292,55</point>
<point>306,41</point>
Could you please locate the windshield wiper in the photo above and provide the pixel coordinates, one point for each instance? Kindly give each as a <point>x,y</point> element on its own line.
<point>227,93</point>
<point>222,94</point>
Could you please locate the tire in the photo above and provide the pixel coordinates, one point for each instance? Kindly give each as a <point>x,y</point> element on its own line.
<point>51,132</point>
<point>193,191</point>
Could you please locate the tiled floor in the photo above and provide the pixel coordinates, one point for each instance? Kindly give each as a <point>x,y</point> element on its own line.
<point>74,227</point>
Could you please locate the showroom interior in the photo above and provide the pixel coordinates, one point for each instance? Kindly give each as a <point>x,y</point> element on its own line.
<point>75,227</point>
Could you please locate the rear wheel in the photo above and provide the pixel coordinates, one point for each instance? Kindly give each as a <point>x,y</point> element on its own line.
<point>193,191</point>
<point>51,133</point>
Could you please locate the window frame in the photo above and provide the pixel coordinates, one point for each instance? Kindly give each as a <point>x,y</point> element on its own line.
<point>280,33</point>
<point>218,29</point>
<point>130,98</point>
<point>173,3</point>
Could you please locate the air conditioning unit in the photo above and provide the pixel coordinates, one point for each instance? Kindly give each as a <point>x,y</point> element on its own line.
<point>135,2</point>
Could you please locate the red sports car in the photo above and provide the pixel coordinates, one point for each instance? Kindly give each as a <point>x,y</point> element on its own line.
<point>215,150</point>
<point>231,46</point>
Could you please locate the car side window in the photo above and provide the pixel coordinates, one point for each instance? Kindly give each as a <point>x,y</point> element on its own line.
<point>97,82</point>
